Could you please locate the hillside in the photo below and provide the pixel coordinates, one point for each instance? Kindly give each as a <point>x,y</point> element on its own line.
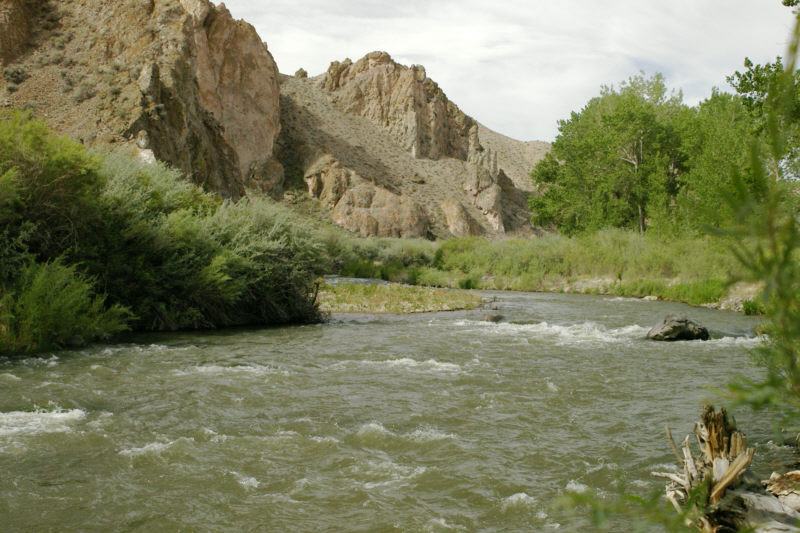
<point>377,143</point>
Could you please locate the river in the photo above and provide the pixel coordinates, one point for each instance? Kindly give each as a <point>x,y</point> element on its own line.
<point>427,422</point>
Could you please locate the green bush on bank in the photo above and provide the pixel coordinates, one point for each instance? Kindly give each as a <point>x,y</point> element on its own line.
<point>92,244</point>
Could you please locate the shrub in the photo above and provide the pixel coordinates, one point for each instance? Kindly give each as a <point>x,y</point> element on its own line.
<point>54,305</point>
<point>15,75</point>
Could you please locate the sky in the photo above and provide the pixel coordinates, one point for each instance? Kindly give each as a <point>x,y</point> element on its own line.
<point>520,66</point>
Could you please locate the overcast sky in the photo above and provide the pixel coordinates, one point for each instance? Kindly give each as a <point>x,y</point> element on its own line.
<point>519,66</point>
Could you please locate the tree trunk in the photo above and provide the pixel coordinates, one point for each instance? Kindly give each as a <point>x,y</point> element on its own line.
<point>641,218</point>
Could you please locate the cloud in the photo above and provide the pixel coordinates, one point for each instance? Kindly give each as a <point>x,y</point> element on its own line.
<point>519,66</point>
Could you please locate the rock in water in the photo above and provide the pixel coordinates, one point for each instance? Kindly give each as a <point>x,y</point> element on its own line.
<point>677,328</point>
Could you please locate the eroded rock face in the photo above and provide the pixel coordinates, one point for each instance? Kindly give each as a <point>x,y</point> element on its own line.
<point>483,182</point>
<point>237,80</point>
<point>374,211</point>
<point>677,328</point>
<point>403,100</point>
<point>199,86</point>
<point>360,206</point>
<point>458,220</point>
<point>17,18</point>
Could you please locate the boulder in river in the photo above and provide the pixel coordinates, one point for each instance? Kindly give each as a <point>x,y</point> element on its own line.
<point>677,328</point>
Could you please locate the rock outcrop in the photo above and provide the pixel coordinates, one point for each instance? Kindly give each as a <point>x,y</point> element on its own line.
<point>182,79</point>
<point>17,20</point>
<point>458,220</point>
<point>360,206</point>
<point>677,328</point>
<point>403,100</point>
<point>458,182</point>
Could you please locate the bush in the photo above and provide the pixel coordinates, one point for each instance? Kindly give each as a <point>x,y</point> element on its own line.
<point>166,255</point>
<point>53,305</point>
<point>15,75</point>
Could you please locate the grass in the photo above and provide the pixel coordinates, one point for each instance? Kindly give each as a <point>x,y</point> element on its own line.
<point>692,269</point>
<point>395,299</point>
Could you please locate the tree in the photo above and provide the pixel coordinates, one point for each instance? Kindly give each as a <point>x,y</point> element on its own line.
<point>715,143</point>
<point>611,161</point>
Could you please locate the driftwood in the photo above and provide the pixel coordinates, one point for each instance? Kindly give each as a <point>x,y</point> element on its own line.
<point>714,491</point>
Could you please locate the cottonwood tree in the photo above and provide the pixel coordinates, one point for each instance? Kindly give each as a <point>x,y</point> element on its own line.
<point>613,161</point>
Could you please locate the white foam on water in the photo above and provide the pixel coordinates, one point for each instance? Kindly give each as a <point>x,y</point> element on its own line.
<point>388,474</point>
<point>372,428</point>
<point>245,481</point>
<point>584,332</point>
<point>744,342</point>
<point>326,440</point>
<point>153,447</point>
<point>552,387</point>
<point>519,499</point>
<point>100,420</point>
<point>428,435</point>
<point>430,365</point>
<point>10,377</point>
<point>39,421</point>
<point>218,370</point>
<point>438,524</point>
<point>574,486</point>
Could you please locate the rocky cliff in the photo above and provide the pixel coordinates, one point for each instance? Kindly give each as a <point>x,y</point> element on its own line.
<point>404,100</point>
<point>181,81</point>
<point>377,143</point>
<point>390,127</point>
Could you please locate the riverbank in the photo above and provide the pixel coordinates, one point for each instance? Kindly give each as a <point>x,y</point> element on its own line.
<point>693,269</point>
<point>392,298</point>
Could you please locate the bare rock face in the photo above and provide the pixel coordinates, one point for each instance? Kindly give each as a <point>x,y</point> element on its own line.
<point>458,220</point>
<point>403,100</point>
<point>237,81</point>
<point>182,79</point>
<point>360,206</point>
<point>482,184</point>
<point>374,211</point>
<point>16,21</point>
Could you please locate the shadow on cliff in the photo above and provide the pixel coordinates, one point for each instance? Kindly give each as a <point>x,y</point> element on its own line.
<point>301,131</point>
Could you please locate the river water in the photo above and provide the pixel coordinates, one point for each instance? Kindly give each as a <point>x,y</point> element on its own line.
<point>428,422</point>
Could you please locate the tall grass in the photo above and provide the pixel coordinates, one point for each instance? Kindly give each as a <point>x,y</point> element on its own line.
<point>692,269</point>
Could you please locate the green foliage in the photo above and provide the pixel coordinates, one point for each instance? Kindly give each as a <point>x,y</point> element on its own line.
<point>53,305</point>
<point>752,307</point>
<point>772,253</point>
<point>691,292</point>
<point>613,162</point>
<point>716,142</point>
<point>180,258</point>
<point>148,240</point>
<point>394,298</point>
<point>47,183</point>
<point>613,261</point>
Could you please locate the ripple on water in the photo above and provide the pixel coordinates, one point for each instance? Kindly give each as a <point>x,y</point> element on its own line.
<point>520,499</point>
<point>375,432</point>
<point>247,482</point>
<point>404,363</point>
<point>218,370</point>
<point>378,474</point>
<point>154,448</point>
